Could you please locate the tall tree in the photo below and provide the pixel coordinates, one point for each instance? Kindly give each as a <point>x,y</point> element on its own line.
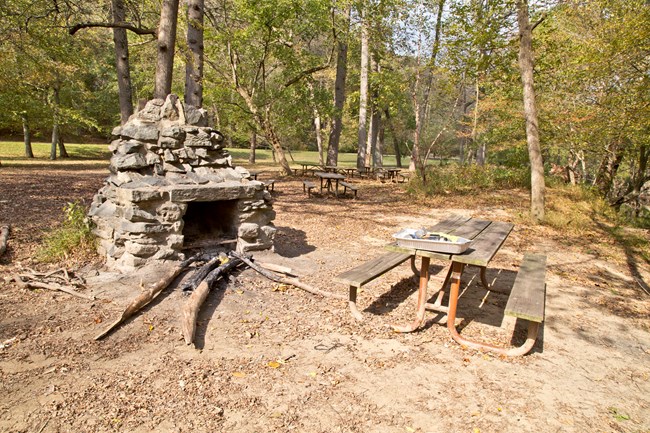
<point>336,125</point>
<point>194,63</point>
<point>537,184</point>
<point>122,68</point>
<point>362,133</point>
<point>166,45</point>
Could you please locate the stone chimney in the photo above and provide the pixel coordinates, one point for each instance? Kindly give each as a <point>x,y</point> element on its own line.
<point>172,186</point>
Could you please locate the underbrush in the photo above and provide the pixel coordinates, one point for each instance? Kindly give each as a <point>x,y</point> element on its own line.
<point>73,239</point>
<point>468,179</point>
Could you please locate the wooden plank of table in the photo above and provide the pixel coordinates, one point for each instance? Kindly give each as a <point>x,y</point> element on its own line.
<point>370,270</point>
<point>485,245</point>
<point>470,229</point>
<point>449,224</point>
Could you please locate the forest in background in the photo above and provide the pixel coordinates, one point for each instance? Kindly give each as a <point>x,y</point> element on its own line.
<point>442,78</point>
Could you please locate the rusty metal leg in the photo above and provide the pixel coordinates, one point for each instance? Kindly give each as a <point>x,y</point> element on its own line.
<point>483,279</point>
<point>353,304</point>
<point>533,328</point>
<point>422,299</point>
<point>414,268</point>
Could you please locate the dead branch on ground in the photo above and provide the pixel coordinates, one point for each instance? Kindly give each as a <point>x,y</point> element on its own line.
<point>290,281</point>
<point>57,280</point>
<point>148,295</point>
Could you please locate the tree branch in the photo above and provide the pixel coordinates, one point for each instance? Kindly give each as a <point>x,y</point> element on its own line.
<point>137,30</point>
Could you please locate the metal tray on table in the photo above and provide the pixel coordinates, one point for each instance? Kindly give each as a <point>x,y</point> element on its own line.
<point>422,239</point>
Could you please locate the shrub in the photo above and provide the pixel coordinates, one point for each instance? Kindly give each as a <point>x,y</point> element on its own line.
<point>73,238</point>
<point>468,179</point>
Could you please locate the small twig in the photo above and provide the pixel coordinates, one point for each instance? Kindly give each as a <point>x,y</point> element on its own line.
<point>291,281</point>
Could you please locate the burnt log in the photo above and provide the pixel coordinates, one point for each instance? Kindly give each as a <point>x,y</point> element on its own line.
<point>198,296</point>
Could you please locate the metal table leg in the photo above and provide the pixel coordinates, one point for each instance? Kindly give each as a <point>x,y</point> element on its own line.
<point>533,327</point>
<point>422,299</point>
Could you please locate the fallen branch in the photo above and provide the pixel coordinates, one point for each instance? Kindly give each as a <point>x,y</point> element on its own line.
<point>59,288</point>
<point>148,295</point>
<point>291,281</point>
<point>196,299</point>
<point>4,236</point>
<point>276,268</point>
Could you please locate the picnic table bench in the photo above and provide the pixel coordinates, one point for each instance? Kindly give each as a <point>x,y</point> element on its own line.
<point>269,184</point>
<point>307,187</point>
<point>526,300</point>
<point>349,186</point>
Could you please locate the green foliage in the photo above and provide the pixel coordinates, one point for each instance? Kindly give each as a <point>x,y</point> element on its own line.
<point>470,179</point>
<point>72,238</point>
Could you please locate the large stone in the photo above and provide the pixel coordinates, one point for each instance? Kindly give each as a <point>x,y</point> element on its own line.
<point>132,161</point>
<point>151,111</point>
<point>196,116</point>
<point>200,138</point>
<point>169,143</point>
<point>211,192</point>
<point>136,195</point>
<point>175,132</point>
<point>130,146</point>
<point>248,231</point>
<point>140,250</point>
<point>142,131</point>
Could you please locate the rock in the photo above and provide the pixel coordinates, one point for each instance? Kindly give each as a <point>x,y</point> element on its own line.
<point>132,161</point>
<point>196,116</point>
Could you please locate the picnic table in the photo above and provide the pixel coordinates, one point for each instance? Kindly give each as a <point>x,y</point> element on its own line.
<point>326,181</point>
<point>309,168</point>
<point>526,299</point>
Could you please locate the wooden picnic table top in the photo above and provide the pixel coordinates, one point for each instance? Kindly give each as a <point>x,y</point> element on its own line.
<point>487,237</point>
<point>325,175</point>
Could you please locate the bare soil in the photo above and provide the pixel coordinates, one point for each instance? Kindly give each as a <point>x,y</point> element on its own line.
<point>276,359</point>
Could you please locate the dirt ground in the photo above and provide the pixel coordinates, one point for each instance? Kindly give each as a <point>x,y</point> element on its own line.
<point>276,359</point>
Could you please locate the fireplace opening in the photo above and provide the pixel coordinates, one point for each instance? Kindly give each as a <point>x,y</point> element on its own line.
<point>207,223</point>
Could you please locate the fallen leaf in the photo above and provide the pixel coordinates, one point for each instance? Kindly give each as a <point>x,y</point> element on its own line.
<point>239,374</point>
<point>274,364</point>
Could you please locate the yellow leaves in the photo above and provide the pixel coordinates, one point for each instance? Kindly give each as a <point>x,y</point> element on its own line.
<point>239,374</point>
<point>274,364</point>
<point>280,288</point>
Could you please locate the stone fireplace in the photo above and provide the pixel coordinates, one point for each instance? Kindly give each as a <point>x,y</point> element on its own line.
<point>172,187</point>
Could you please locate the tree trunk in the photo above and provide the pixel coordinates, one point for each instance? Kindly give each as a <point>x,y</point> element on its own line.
<point>537,185</point>
<point>398,154</point>
<point>194,63</point>
<point>363,97</point>
<point>317,121</point>
<point>339,97</point>
<point>378,155</point>
<point>125,91</point>
<point>269,131</point>
<point>27,137</point>
<point>63,153</point>
<point>604,180</point>
<point>420,109</point>
<point>166,45</point>
<point>253,141</point>
<point>55,122</point>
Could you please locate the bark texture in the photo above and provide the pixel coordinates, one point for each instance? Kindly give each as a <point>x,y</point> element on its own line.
<point>122,69</point>
<point>336,125</point>
<point>537,184</point>
<point>166,44</point>
<point>194,63</point>
<point>363,97</point>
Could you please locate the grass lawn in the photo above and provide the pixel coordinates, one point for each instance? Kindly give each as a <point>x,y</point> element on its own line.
<point>12,153</point>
